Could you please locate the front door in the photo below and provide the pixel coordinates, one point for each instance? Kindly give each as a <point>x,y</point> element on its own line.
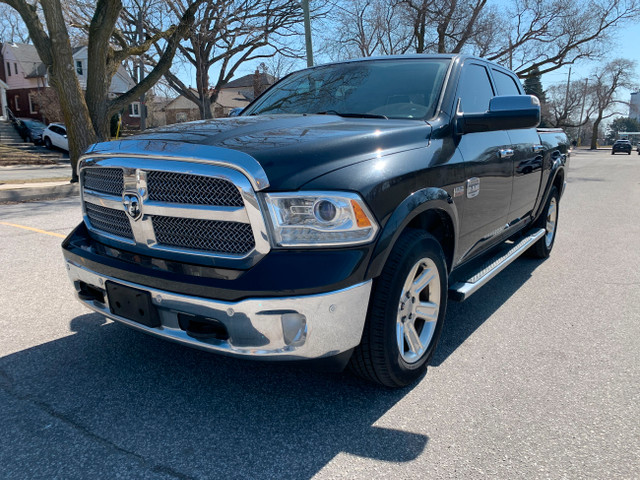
<point>488,167</point>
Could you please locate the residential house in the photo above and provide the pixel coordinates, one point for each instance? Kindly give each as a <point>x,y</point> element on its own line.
<point>181,109</point>
<point>25,76</point>
<point>121,83</point>
<point>251,85</point>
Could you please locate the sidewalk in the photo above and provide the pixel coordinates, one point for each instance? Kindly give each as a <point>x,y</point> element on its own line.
<point>25,183</point>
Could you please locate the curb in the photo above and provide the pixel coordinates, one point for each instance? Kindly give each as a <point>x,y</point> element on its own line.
<point>30,194</point>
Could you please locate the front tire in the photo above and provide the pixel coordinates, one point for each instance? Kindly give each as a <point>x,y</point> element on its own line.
<point>549,221</point>
<point>406,313</point>
<point>47,143</point>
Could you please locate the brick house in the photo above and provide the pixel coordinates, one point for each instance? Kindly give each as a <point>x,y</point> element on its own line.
<point>26,76</point>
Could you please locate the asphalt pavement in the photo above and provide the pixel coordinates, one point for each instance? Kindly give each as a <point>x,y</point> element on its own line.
<point>536,376</point>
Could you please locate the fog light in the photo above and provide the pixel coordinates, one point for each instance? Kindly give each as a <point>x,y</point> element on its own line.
<point>294,329</point>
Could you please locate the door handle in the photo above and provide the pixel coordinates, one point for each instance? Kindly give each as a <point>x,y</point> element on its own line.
<point>506,153</point>
<point>538,148</point>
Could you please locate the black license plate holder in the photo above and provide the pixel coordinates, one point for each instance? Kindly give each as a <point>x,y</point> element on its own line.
<point>132,304</point>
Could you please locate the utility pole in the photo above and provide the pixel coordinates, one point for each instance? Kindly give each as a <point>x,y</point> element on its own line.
<point>584,99</point>
<point>566,93</point>
<point>143,108</point>
<point>307,32</point>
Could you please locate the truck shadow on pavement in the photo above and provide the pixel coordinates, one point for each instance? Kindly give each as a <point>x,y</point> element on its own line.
<point>138,406</point>
<point>176,412</point>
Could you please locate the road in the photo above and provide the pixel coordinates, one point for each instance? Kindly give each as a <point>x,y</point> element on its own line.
<point>536,376</point>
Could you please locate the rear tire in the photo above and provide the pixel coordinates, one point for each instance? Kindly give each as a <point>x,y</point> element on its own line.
<point>549,221</point>
<point>406,313</point>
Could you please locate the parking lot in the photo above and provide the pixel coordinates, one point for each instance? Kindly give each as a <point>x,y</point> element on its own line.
<point>536,376</point>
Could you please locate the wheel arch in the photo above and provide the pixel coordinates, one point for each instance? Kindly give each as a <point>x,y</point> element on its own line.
<point>557,177</point>
<point>429,209</point>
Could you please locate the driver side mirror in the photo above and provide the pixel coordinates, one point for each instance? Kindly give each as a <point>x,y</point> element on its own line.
<point>505,113</point>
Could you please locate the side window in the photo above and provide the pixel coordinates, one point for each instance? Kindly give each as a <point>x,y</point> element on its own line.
<point>505,84</point>
<point>475,89</point>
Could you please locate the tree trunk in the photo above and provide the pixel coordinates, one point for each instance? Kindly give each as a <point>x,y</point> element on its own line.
<point>80,133</point>
<point>594,133</point>
<point>101,68</point>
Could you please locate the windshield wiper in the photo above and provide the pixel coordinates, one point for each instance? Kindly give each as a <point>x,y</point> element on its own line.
<point>352,115</point>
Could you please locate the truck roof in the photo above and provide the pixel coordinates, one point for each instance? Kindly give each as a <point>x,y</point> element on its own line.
<point>416,56</point>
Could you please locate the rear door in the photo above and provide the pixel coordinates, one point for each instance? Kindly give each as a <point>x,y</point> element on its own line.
<point>527,154</point>
<point>488,168</point>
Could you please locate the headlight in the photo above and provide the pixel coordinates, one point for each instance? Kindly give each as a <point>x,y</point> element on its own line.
<point>318,219</point>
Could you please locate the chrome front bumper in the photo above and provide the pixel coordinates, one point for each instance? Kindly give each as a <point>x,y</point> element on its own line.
<point>282,328</point>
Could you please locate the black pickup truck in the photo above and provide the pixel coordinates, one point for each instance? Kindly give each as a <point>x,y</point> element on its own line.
<point>331,220</point>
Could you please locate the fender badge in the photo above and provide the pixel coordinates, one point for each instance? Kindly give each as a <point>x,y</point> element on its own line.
<point>458,191</point>
<point>473,187</point>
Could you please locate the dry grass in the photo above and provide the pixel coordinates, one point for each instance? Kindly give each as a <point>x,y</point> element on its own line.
<point>15,156</point>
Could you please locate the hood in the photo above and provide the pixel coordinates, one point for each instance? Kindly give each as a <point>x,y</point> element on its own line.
<point>294,149</point>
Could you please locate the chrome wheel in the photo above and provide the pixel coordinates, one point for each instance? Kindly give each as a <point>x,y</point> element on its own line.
<point>418,310</point>
<point>552,217</point>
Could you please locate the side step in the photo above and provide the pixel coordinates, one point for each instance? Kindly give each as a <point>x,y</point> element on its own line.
<point>462,290</point>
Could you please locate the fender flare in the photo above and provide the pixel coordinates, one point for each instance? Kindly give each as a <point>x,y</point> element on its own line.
<point>418,202</point>
<point>558,168</point>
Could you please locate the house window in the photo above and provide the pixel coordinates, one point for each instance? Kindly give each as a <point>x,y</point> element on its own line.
<point>79,67</point>
<point>181,117</point>
<point>33,105</point>
<point>134,109</point>
<point>15,68</point>
<point>16,101</point>
<point>8,69</point>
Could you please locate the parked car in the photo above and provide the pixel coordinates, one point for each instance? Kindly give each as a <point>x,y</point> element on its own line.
<point>621,146</point>
<point>331,220</point>
<point>55,135</point>
<point>29,129</point>
<point>638,148</point>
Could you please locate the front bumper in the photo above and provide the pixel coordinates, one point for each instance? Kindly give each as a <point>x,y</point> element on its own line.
<point>280,328</point>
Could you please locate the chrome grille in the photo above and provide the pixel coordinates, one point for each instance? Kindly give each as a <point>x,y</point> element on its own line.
<point>184,188</point>
<point>104,180</point>
<point>109,220</point>
<point>193,206</point>
<point>206,235</point>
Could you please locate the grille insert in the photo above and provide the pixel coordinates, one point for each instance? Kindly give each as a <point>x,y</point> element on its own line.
<point>192,189</point>
<point>109,220</point>
<point>206,235</point>
<point>104,180</point>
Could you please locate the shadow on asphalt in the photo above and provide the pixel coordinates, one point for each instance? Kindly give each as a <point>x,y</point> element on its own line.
<point>199,414</point>
<point>193,414</point>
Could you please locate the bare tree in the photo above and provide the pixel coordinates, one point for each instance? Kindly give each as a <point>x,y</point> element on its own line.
<point>568,107</point>
<point>87,114</point>
<point>12,30</point>
<point>278,66</point>
<point>226,35</point>
<point>363,28</point>
<point>524,35</point>
<point>604,88</point>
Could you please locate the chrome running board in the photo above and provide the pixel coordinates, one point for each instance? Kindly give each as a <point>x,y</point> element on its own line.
<point>462,290</point>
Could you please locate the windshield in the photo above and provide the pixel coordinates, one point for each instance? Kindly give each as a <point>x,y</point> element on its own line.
<point>401,89</point>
